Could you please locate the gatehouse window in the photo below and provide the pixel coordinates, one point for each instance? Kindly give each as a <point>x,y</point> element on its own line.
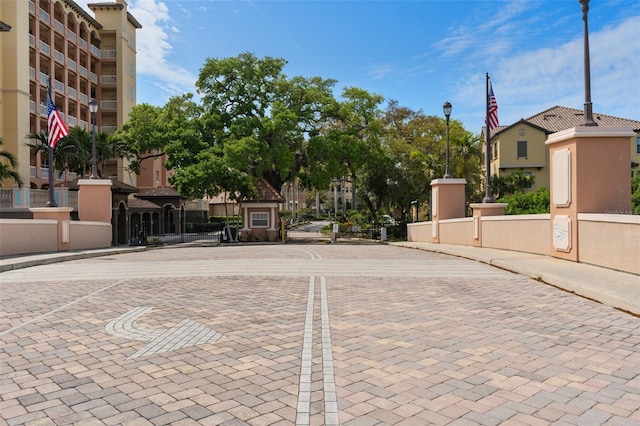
<point>260,220</point>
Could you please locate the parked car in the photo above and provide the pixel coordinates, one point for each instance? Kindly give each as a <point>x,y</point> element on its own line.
<point>387,220</point>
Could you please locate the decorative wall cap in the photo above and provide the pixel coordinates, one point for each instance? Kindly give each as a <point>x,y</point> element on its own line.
<point>590,132</point>
<point>488,205</point>
<point>95,182</point>
<point>450,181</point>
<point>50,209</point>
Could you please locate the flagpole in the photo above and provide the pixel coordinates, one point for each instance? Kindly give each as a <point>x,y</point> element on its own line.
<point>488,195</point>
<point>52,169</point>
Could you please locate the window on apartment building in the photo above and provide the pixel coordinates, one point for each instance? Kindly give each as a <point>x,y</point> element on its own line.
<point>521,149</point>
<point>638,146</point>
<point>259,220</point>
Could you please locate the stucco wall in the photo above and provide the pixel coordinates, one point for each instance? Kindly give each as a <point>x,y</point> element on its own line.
<point>457,231</point>
<point>612,241</point>
<point>419,231</point>
<point>22,236</point>
<point>526,233</point>
<point>89,235</point>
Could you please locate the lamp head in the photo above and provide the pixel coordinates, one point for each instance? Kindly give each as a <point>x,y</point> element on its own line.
<point>93,106</point>
<point>447,109</point>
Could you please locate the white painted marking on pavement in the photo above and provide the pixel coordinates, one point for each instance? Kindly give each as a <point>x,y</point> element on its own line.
<point>304,389</point>
<point>39,317</point>
<point>329,383</point>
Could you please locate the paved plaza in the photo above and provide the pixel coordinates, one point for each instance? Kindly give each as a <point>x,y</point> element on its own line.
<point>309,334</point>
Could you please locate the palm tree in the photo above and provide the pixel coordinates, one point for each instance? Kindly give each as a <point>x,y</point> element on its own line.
<point>8,163</point>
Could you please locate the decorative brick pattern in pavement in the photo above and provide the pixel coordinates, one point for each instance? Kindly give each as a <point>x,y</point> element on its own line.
<point>401,336</point>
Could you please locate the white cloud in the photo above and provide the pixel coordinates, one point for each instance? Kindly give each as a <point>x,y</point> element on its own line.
<point>154,47</point>
<point>542,76</point>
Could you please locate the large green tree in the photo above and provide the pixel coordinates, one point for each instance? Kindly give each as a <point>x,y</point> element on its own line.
<point>253,122</point>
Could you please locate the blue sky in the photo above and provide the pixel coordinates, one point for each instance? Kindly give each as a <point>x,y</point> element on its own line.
<point>420,53</point>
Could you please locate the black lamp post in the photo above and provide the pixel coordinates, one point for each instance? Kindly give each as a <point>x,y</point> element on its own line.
<point>93,108</point>
<point>447,113</point>
<point>588,108</point>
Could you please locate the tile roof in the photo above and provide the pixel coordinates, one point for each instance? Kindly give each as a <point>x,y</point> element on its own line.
<point>266,192</point>
<point>136,203</point>
<point>161,191</point>
<point>558,118</point>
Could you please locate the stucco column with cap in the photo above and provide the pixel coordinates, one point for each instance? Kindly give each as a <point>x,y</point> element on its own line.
<point>590,169</point>
<point>447,202</point>
<point>94,200</point>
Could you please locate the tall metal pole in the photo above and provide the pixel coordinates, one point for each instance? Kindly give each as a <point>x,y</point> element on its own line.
<point>488,195</point>
<point>94,167</point>
<point>447,112</point>
<point>52,170</point>
<point>588,111</point>
<point>93,108</point>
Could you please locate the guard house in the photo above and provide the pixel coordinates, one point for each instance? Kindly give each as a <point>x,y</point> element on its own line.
<point>260,216</point>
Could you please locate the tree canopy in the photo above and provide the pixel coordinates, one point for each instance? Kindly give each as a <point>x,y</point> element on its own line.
<point>252,121</point>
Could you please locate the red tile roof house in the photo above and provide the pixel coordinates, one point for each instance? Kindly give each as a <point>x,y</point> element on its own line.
<point>260,215</point>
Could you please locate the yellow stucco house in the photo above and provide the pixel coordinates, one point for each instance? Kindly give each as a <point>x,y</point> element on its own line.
<point>521,146</point>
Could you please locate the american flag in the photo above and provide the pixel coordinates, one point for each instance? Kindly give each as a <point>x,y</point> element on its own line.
<point>493,109</point>
<point>56,127</point>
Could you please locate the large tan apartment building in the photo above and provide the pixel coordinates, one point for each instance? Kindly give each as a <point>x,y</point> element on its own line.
<point>83,57</point>
<point>521,146</point>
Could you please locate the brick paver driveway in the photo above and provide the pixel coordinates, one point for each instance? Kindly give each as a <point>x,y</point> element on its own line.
<point>307,334</point>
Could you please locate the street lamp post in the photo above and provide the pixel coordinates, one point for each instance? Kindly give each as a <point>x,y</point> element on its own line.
<point>93,108</point>
<point>447,113</point>
<point>588,108</point>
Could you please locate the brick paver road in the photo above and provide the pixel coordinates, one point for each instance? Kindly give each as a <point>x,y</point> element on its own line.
<point>307,334</point>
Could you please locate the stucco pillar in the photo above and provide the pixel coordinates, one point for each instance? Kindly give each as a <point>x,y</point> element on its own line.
<point>62,216</point>
<point>590,170</point>
<point>94,200</point>
<point>447,202</point>
<point>480,210</point>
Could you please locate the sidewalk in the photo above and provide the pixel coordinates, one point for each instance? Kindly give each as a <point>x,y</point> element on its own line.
<point>610,287</point>
<point>28,260</point>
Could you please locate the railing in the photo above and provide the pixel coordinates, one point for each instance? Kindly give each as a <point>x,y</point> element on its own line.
<point>43,109</point>
<point>58,85</point>
<point>71,64</point>
<point>44,16</point>
<point>94,77</point>
<point>57,25</point>
<point>108,54</point>
<point>82,70</point>
<point>58,56</point>
<point>108,79</point>
<point>32,106</point>
<point>71,35</point>
<point>45,47</point>
<point>32,40</point>
<point>82,43</point>
<point>71,91</point>
<point>95,50</point>
<point>44,78</point>
<point>109,104</point>
<point>32,171</point>
<point>44,172</point>
<point>72,121</point>
<point>83,124</point>
<point>109,129</point>
<point>83,98</point>
<point>6,198</point>
<point>32,6</point>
